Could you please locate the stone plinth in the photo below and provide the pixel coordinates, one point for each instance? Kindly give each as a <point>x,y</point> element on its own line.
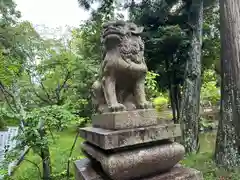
<point>125,119</point>
<point>109,139</point>
<point>132,145</point>
<point>88,170</point>
<point>136,162</point>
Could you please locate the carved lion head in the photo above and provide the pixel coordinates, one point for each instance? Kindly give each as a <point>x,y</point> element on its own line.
<point>115,32</point>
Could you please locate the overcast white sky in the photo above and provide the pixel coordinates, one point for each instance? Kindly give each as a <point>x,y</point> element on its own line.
<point>52,16</point>
<point>52,13</point>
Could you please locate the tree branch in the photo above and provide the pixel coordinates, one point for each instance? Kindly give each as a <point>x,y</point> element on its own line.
<point>60,87</point>
<point>34,90</point>
<point>71,151</point>
<point>65,80</point>
<point>41,98</point>
<point>6,94</point>
<point>39,171</point>
<point>45,90</point>
<point>4,90</point>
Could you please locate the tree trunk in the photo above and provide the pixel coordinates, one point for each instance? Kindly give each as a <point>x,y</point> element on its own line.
<point>189,116</point>
<point>177,100</point>
<point>227,152</point>
<point>46,163</point>
<point>173,107</point>
<point>45,154</point>
<point>171,90</point>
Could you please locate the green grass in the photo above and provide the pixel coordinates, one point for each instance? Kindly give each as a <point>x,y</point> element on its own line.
<point>203,161</point>
<point>59,155</point>
<point>60,152</point>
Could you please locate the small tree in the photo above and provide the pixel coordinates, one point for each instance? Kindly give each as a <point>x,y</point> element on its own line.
<point>38,135</point>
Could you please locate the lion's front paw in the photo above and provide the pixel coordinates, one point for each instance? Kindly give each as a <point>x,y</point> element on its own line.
<point>117,107</point>
<point>145,105</point>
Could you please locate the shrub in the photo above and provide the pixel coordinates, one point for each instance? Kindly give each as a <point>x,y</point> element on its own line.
<point>160,103</point>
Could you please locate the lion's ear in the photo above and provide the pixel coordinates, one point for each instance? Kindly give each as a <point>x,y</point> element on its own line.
<point>138,30</point>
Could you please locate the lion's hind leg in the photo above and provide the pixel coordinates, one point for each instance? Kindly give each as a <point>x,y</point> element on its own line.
<point>98,99</point>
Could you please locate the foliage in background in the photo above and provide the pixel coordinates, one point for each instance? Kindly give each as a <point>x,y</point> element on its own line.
<point>159,100</point>
<point>210,93</point>
<point>151,85</point>
<point>50,118</point>
<point>207,125</point>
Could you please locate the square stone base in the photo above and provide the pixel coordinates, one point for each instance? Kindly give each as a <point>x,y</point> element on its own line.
<point>86,170</point>
<point>110,139</point>
<point>125,119</point>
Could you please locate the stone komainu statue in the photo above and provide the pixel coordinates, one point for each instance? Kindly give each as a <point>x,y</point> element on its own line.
<point>123,69</point>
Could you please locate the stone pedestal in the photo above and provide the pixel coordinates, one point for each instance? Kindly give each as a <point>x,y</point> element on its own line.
<point>86,169</point>
<point>132,145</point>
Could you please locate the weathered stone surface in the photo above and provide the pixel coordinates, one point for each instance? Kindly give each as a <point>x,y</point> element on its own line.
<point>85,170</point>
<point>137,162</point>
<point>126,119</point>
<point>178,173</point>
<point>123,69</point>
<point>109,139</point>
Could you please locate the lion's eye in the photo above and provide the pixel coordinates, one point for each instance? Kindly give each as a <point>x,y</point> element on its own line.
<point>136,45</point>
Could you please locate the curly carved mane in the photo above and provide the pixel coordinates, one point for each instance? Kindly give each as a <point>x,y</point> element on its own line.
<point>125,37</point>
